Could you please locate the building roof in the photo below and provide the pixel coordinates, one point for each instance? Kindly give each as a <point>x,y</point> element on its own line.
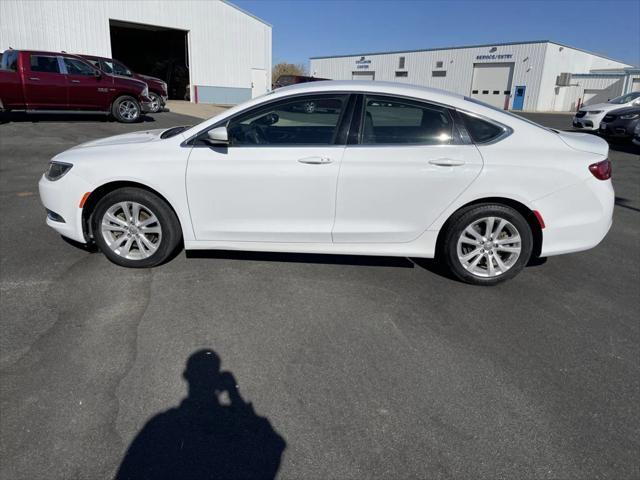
<point>530,42</point>
<point>246,12</point>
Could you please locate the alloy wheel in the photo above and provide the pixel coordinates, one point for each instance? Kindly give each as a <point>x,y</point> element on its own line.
<point>128,110</point>
<point>489,246</point>
<point>131,230</point>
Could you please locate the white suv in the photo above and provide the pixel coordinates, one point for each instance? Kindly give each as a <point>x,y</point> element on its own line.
<point>589,118</point>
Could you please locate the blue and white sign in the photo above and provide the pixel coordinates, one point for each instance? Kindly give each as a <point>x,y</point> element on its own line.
<point>363,63</point>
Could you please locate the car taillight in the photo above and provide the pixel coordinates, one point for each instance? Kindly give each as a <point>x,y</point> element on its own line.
<point>601,170</point>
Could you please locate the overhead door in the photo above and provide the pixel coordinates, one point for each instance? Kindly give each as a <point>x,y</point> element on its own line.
<point>492,83</point>
<point>363,75</point>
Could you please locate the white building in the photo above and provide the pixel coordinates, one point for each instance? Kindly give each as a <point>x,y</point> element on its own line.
<point>518,76</point>
<point>209,50</point>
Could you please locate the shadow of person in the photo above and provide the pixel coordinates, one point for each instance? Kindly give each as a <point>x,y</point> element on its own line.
<point>205,437</point>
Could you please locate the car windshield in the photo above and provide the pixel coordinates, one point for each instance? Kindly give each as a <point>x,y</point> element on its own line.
<point>629,97</point>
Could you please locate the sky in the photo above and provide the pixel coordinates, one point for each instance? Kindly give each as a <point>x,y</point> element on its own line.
<point>308,28</point>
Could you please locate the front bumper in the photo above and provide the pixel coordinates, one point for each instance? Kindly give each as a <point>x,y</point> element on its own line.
<point>617,129</point>
<point>61,199</point>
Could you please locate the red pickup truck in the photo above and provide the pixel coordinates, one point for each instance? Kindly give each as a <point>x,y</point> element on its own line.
<point>50,82</point>
<point>157,86</point>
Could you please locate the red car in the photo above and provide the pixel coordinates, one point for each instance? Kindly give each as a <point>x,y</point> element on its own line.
<point>54,82</point>
<point>157,86</point>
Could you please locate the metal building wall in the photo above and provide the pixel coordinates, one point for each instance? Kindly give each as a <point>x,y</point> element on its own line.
<point>529,59</point>
<point>225,43</point>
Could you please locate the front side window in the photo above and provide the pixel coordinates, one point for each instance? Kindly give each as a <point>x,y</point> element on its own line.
<point>111,66</point>
<point>393,121</point>
<point>45,64</point>
<point>77,67</point>
<point>311,120</point>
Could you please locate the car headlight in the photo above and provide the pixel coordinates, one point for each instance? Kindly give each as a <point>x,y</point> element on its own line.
<point>593,112</point>
<point>629,116</point>
<point>57,170</point>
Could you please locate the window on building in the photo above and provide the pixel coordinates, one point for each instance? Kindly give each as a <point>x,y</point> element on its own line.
<point>45,64</point>
<point>475,92</point>
<point>311,120</point>
<point>496,92</point>
<point>439,73</point>
<point>389,120</point>
<point>401,63</point>
<point>439,64</point>
<point>402,74</point>
<point>485,92</point>
<point>480,130</point>
<point>77,67</point>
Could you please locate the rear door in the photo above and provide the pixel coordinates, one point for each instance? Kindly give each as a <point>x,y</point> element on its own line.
<point>408,165</point>
<point>87,87</point>
<point>45,86</point>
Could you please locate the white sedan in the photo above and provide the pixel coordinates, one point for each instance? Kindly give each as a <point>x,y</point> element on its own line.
<point>374,169</point>
<point>589,117</point>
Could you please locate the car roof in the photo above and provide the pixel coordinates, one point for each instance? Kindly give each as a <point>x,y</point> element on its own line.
<point>369,86</point>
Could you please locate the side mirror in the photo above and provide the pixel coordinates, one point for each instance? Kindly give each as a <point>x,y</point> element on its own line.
<point>97,73</point>
<point>217,136</point>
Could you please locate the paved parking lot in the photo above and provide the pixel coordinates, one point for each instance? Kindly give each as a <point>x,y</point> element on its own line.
<point>354,367</point>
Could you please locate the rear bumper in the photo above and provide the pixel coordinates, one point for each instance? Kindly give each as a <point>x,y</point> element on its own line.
<point>577,218</point>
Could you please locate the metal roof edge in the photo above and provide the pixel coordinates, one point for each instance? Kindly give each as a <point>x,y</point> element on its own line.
<point>227,2</point>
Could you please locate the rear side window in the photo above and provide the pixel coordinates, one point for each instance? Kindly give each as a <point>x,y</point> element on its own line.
<point>77,67</point>
<point>480,130</point>
<point>41,63</point>
<point>396,121</point>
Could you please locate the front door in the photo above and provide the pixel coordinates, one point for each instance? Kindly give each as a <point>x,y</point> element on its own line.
<point>518,99</point>
<point>276,181</point>
<point>45,87</point>
<point>405,171</point>
<point>88,88</point>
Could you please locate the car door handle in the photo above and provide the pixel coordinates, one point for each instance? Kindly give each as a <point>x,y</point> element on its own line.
<point>446,162</point>
<point>75,81</point>
<point>34,78</point>
<point>315,160</point>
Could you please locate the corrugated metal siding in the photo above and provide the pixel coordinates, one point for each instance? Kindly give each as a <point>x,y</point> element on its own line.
<point>224,42</point>
<point>531,66</point>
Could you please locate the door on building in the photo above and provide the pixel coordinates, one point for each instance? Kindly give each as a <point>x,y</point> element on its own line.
<point>363,75</point>
<point>258,82</point>
<point>518,98</point>
<point>635,85</point>
<point>492,83</point>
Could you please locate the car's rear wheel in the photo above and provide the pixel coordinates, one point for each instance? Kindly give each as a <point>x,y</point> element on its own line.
<point>126,109</point>
<point>156,103</point>
<point>135,228</point>
<point>487,244</point>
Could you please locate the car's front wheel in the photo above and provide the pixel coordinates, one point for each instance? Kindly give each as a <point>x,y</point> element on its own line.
<point>135,228</point>
<point>156,103</point>
<point>487,244</point>
<point>126,109</point>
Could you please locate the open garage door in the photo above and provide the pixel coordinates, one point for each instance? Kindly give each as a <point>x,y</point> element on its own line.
<point>492,83</point>
<point>156,51</point>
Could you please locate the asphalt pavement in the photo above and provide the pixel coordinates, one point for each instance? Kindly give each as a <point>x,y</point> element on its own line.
<point>346,367</point>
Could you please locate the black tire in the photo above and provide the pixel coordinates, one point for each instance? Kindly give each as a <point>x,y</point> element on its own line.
<point>156,103</point>
<point>121,114</point>
<point>167,240</point>
<point>466,217</point>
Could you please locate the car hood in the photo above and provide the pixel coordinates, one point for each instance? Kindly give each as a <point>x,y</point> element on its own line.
<point>585,142</point>
<point>127,138</point>
<point>607,107</point>
<point>147,77</point>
